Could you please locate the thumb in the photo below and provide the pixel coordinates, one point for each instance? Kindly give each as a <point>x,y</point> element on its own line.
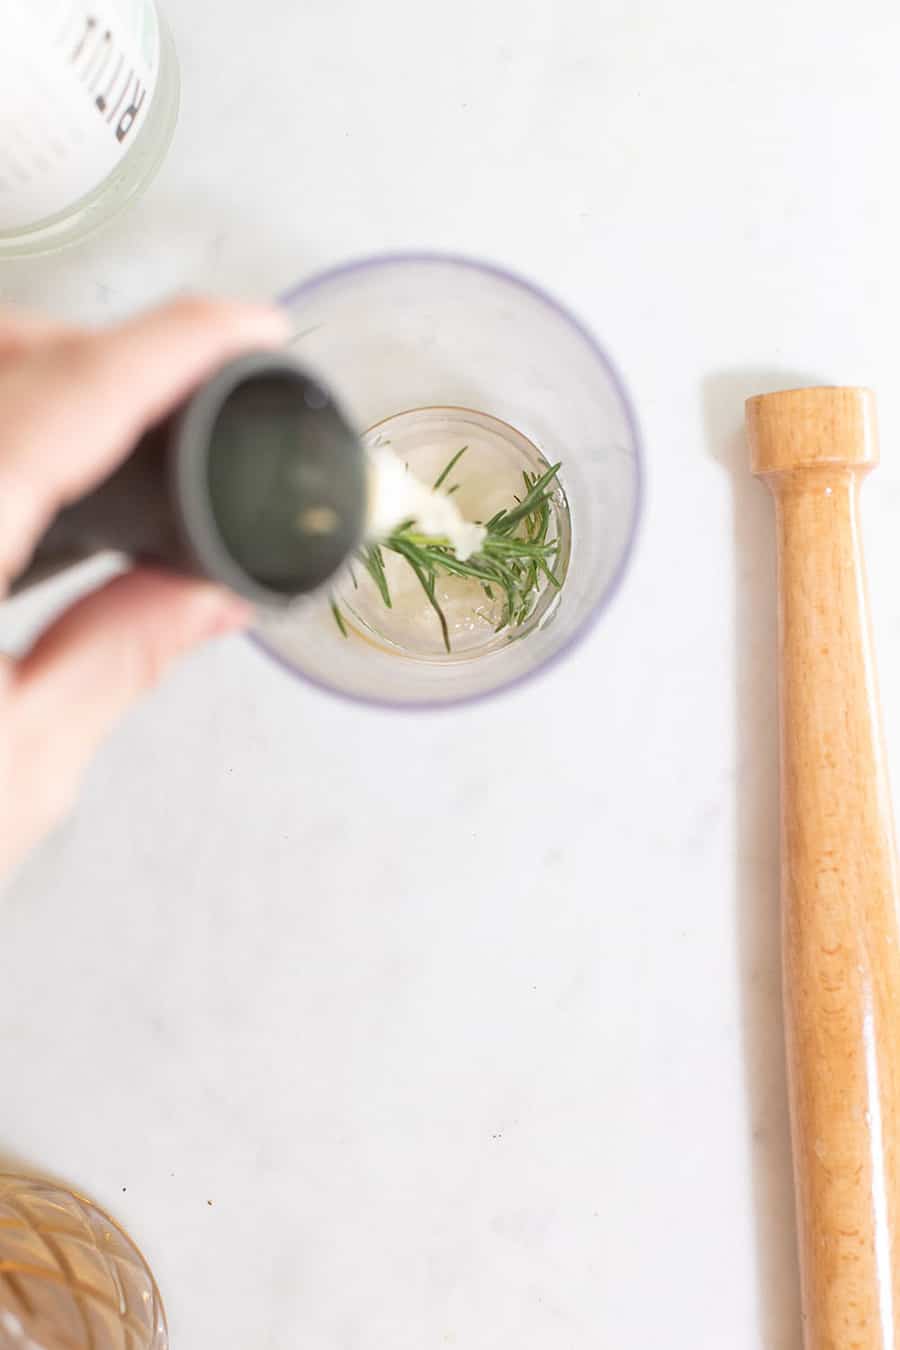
<point>92,663</point>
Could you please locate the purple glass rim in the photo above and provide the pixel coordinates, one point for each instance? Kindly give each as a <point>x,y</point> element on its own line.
<point>590,621</point>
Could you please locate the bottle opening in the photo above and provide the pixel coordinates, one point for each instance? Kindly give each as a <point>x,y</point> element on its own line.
<point>287,482</point>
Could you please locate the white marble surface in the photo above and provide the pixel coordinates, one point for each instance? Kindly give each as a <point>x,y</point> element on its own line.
<point>457,1062</point>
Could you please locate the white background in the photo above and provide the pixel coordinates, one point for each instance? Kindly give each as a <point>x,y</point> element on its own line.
<point>467,1023</point>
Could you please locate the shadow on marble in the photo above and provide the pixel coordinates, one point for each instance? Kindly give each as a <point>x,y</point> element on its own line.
<point>756,860</point>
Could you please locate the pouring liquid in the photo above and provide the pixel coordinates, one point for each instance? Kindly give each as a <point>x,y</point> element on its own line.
<point>486,479</point>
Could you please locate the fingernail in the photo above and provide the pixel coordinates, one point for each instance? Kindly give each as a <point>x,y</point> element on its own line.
<point>269,321</point>
<point>235,614</point>
<point>223,612</point>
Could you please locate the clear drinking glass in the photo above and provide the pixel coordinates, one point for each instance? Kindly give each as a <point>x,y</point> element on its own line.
<point>488,355</point>
<point>70,1278</point>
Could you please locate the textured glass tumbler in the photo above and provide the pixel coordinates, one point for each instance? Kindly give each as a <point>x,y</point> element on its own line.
<point>390,335</point>
<point>70,1279</point>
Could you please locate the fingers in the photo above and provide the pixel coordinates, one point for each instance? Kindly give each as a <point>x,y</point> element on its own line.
<point>21,331</point>
<point>135,373</point>
<point>85,671</point>
<point>73,404</point>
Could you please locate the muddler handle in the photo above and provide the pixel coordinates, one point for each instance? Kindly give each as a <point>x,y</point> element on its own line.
<point>841,940</point>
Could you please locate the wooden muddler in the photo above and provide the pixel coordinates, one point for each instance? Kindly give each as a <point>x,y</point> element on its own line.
<point>841,952</point>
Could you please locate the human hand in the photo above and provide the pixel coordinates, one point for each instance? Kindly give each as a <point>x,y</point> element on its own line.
<point>72,404</point>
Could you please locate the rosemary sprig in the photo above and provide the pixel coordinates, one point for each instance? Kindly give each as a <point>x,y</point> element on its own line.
<point>514,559</point>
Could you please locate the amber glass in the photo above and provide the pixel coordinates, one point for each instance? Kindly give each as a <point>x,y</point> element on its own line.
<point>70,1278</point>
